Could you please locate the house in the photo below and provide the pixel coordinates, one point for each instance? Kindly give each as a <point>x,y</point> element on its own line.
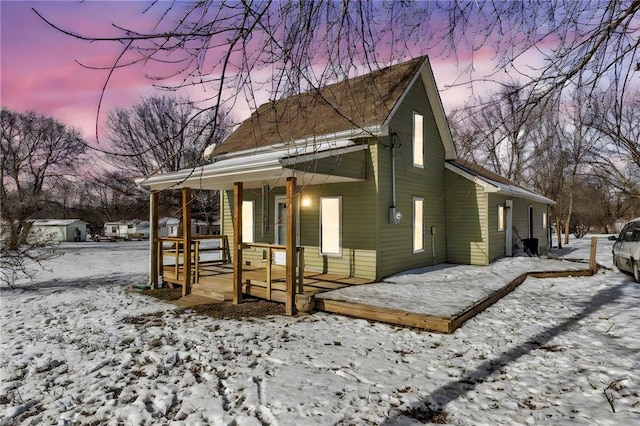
<point>72,230</point>
<point>370,171</point>
<point>138,229</point>
<point>127,229</point>
<point>168,227</point>
<point>117,229</point>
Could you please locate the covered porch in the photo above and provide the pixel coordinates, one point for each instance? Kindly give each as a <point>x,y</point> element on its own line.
<point>214,265</point>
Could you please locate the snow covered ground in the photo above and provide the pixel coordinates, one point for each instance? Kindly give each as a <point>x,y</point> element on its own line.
<point>79,347</point>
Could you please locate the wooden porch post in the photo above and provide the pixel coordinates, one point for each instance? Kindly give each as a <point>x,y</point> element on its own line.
<point>237,242</point>
<point>153,242</point>
<point>186,240</point>
<point>290,307</point>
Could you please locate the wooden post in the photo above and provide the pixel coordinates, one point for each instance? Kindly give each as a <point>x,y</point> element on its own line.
<point>290,307</point>
<point>196,261</point>
<point>593,265</point>
<point>186,240</point>
<point>301,270</point>
<point>269,260</point>
<point>153,240</point>
<point>160,258</point>
<point>237,242</point>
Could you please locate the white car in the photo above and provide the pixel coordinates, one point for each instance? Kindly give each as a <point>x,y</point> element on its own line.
<point>626,249</point>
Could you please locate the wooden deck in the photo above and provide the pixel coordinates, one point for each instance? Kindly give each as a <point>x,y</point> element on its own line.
<point>441,324</point>
<point>216,281</point>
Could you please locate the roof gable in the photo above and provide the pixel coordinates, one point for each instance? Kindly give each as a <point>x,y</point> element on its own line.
<point>362,102</point>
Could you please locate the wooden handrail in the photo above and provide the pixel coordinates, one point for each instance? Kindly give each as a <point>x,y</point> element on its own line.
<point>269,259</point>
<point>176,250</point>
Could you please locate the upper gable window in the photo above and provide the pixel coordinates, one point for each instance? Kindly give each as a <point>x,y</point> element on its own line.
<point>418,140</point>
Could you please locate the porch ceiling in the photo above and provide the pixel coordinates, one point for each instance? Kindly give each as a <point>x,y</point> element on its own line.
<point>265,168</point>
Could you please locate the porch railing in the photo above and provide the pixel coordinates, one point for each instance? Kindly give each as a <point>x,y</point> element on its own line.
<point>173,247</point>
<point>270,249</point>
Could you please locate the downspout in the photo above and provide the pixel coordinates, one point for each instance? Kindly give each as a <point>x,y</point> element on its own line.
<point>433,244</point>
<point>394,216</point>
<point>393,170</point>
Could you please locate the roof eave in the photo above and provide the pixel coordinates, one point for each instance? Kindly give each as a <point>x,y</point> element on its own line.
<point>491,186</point>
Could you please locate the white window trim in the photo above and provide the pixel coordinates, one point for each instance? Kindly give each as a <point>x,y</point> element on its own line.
<point>418,145</point>
<point>545,220</point>
<point>277,220</point>
<point>502,220</point>
<point>414,224</point>
<point>320,227</point>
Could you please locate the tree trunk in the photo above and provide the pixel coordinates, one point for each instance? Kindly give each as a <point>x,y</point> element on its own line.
<point>559,231</point>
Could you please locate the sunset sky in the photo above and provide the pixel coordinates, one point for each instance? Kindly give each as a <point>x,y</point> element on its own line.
<point>40,69</point>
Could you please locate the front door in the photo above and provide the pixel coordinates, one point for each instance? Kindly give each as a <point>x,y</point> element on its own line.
<point>280,227</point>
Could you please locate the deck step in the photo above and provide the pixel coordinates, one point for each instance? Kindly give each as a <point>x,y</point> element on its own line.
<point>191,300</point>
<point>212,292</point>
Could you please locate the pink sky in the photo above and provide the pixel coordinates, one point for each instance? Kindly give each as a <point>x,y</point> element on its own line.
<point>39,71</point>
<point>38,64</point>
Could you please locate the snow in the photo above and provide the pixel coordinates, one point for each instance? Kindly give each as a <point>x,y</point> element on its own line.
<point>79,347</point>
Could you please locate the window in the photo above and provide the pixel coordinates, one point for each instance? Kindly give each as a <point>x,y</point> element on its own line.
<point>418,224</point>
<point>418,140</point>
<point>544,220</point>
<point>247,222</point>
<point>501,226</point>
<point>330,225</point>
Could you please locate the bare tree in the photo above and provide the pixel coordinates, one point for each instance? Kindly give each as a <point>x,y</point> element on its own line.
<point>617,155</point>
<point>496,132</point>
<point>36,153</point>
<point>304,45</point>
<point>160,134</point>
<point>578,141</point>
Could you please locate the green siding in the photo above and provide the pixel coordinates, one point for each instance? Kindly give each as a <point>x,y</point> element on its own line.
<point>395,252</point>
<point>467,227</point>
<point>358,256</point>
<point>352,165</point>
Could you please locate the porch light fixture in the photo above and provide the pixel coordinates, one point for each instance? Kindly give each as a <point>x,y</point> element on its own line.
<point>306,201</point>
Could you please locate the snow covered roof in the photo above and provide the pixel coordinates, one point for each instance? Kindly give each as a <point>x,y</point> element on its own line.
<point>168,221</point>
<point>56,222</point>
<point>492,182</point>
